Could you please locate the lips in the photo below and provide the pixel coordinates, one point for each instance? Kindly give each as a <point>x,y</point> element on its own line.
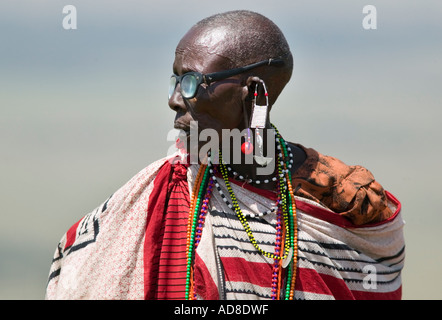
<point>178,125</point>
<point>185,130</point>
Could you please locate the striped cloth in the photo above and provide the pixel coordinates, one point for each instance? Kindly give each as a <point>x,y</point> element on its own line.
<point>165,262</point>
<point>132,247</point>
<point>337,260</point>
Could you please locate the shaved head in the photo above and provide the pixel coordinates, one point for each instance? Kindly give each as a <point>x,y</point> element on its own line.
<point>243,37</point>
<point>248,37</point>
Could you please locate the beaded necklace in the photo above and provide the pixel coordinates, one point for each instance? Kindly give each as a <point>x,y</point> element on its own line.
<point>285,254</point>
<point>243,219</point>
<point>240,177</point>
<point>223,196</point>
<point>195,223</point>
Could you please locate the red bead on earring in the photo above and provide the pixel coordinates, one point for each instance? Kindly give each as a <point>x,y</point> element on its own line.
<point>247,147</point>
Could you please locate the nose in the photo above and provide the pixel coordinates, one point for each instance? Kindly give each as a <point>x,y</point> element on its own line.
<point>176,101</point>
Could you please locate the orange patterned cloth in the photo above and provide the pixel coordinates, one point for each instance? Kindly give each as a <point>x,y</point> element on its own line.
<point>351,191</point>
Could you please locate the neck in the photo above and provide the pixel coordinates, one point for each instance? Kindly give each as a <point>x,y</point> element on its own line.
<point>260,167</point>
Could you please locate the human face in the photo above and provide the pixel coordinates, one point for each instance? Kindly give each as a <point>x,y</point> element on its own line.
<point>218,106</point>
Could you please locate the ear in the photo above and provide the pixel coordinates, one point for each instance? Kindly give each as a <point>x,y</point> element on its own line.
<point>249,89</point>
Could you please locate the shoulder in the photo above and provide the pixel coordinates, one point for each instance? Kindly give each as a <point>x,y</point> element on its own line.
<point>350,190</point>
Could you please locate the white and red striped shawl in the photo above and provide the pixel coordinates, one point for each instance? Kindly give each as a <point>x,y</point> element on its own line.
<point>133,247</point>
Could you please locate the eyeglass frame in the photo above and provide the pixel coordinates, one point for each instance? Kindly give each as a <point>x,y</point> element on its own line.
<point>221,75</point>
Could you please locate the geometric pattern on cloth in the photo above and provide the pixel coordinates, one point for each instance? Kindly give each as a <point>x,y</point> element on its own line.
<point>106,255</point>
<point>335,260</point>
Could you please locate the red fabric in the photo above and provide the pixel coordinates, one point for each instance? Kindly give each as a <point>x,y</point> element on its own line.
<point>154,235</point>
<point>205,287</point>
<point>166,231</point>
<point>241,270</point>
<point>373,295</point>
<point>71,235</point>
<point>309,280</point>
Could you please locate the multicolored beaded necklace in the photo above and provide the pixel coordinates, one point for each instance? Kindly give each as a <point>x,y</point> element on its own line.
<point>286,248</point>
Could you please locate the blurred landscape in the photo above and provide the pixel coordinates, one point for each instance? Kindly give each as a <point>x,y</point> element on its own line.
<point>82,111</point>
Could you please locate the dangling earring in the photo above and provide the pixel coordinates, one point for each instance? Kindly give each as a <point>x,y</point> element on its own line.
<point>258,121</point>
<point>259,112</point>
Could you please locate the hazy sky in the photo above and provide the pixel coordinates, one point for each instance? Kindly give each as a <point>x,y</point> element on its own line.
<point>81,111</point>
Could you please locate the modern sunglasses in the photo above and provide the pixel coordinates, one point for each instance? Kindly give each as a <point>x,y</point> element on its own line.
<point>190,81</point>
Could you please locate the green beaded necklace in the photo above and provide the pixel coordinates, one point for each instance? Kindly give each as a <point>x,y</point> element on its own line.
<point>243,219</point>
<point>287,203</point>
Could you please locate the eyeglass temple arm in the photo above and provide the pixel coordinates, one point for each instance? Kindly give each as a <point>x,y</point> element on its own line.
<point>216,76</point>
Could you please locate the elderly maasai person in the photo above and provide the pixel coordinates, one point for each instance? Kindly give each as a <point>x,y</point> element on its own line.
<point>255,218</point>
